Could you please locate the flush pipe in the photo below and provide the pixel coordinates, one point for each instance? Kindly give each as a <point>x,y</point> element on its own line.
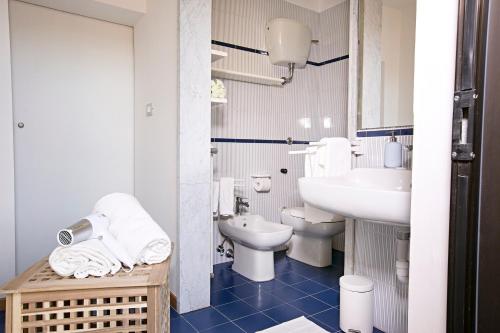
<point>349,245</point>
<point>402,254</point>
<point>222,251</point>
<point>291,69</point>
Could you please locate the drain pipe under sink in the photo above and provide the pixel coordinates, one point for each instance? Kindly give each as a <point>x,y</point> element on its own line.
<point>402,254</point>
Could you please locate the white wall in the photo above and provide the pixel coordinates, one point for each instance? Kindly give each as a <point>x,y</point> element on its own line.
<point>117,11</point>
<point>156,68</point>
<point>76,100</point>
<point>7,215</point>
<point>156,82</point>
<point>435,49</point>
<point>156,137</point>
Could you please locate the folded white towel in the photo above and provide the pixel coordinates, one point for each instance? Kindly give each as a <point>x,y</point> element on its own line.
<point>89,257</point>
<point>297,325</point>
<point>215,198</point>
<point>311,163</point>
<point>226,196</point>
<point>335,156</point>
<point>144,240</point>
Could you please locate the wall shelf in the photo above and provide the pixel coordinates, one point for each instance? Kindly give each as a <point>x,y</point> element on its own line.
<point>216,101</point>
<point>217,55</point>
<point>246,77</point>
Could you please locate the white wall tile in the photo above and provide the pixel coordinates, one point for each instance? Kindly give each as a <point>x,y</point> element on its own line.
<point>375,247</point>
<point>264,112</point>
<point>375,257</point>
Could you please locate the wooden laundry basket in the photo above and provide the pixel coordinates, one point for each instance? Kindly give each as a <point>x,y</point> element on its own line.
<point>39,300</point>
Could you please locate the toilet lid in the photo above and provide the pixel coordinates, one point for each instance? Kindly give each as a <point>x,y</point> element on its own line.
<point>356,283</point>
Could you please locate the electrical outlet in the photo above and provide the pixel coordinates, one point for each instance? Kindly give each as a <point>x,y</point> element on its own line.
<point>149,110</point>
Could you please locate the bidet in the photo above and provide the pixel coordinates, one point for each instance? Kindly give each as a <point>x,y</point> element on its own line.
<point>254,240</point>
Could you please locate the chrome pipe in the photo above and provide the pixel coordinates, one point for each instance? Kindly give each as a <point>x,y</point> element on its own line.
<point>291,69</point>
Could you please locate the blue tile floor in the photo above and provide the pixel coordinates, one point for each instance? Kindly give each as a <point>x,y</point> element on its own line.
<point>241,305</point>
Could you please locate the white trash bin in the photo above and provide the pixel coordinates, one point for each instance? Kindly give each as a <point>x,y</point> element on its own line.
<point>356,304</point>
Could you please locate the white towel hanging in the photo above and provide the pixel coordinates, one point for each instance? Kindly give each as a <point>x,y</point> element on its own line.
<point>226,196</point>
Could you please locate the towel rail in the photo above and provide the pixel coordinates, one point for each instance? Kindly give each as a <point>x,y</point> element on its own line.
<point>317,144</point>
<point>235,180</point>
<point>301,152</point>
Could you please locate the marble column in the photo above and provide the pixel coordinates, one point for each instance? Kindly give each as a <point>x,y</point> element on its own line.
<point>194,154</point>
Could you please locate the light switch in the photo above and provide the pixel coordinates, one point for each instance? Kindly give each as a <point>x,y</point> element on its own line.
<point>149,110</point>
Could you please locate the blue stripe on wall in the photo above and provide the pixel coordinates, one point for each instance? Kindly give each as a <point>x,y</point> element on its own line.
<point>326,62</point>
<point>281,142</point>
<point>360,134</point>
<point>261,52</point>
<point>238,47</point>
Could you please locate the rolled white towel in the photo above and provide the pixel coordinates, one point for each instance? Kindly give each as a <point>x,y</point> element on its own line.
<point>217,89</point>
<point>144,240</point>
<point>89,257</point>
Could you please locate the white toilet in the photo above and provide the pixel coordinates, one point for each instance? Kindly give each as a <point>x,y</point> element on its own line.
<point>311,243</point>
<point>254,240</point>
<point>313,228</point>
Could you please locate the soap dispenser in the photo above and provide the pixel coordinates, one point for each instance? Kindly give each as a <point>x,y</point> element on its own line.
<point>393,153</point>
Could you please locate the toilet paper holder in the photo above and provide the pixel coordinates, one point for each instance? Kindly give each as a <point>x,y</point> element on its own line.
<point>261,183</point>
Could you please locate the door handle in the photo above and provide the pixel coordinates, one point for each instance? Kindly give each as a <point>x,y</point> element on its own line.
<point>20,124</point>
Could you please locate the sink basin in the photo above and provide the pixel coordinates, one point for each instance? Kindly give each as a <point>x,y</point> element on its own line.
<point>370,194</point>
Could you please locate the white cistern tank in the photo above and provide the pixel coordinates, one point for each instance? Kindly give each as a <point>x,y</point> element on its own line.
<point>288,43</point>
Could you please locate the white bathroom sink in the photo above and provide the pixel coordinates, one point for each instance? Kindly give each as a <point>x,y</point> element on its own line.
<point>370,194</point>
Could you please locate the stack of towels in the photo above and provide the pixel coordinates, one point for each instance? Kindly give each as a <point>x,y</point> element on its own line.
<point>132,227</point>
<point>217,89</point>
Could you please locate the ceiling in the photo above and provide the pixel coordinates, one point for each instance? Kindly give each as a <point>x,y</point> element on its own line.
<point>316,5</point>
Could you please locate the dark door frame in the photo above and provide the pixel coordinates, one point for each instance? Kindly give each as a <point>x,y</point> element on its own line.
<point>466,163</point>
<point>488,251</point>
<point>474,249</point>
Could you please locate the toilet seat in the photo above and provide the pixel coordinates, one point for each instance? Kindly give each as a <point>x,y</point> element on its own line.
<point>299,213</point>
<point>311,243</point>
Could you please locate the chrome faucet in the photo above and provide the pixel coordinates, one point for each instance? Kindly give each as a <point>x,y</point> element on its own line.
<point>240,202</point>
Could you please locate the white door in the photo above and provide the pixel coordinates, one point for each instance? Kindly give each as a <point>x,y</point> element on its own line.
<point>73,112</point>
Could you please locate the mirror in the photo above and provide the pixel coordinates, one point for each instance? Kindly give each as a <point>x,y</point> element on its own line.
<point>386,33</point>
